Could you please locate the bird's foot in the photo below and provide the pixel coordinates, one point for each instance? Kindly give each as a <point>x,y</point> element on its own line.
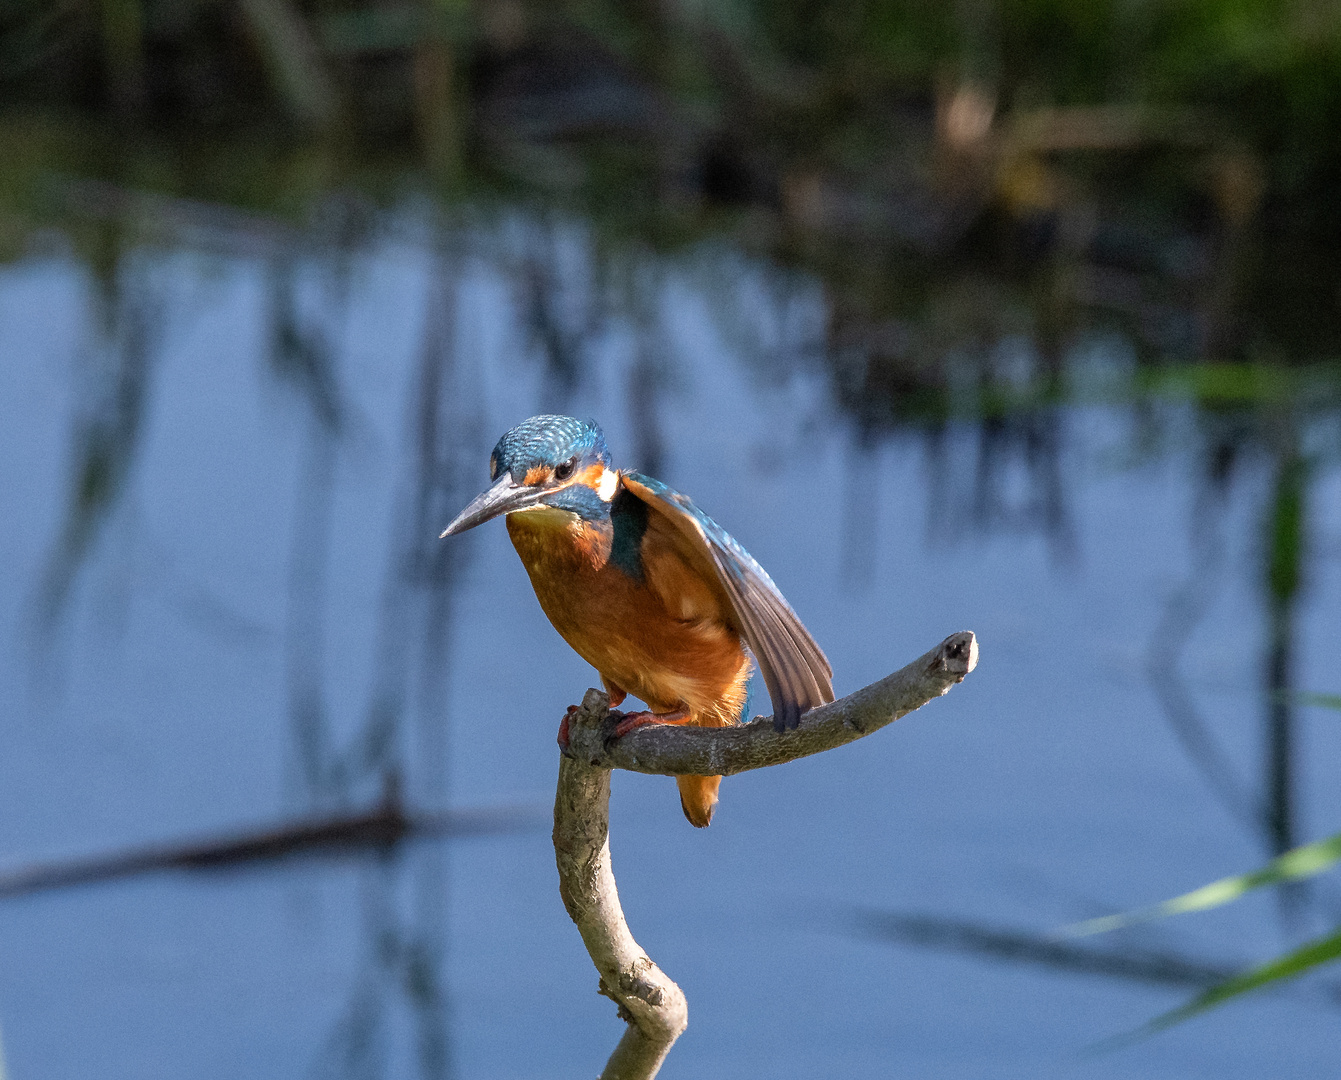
<point>641,719</point>
<point>563,728</point>
<point>615,694</point>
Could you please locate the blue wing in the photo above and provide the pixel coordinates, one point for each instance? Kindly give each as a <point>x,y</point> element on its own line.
<point>794,668</point>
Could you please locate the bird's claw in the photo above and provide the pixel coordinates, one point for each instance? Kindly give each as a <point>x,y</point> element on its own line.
<point>636,720</point>
<point>563,728</point>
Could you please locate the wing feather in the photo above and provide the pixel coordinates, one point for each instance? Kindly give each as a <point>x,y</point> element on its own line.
<point>795,670</point>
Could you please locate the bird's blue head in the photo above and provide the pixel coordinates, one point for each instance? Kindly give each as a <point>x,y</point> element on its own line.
<point>553,462</point>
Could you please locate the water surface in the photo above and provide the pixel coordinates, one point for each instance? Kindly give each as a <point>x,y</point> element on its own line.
<point>225,468</point>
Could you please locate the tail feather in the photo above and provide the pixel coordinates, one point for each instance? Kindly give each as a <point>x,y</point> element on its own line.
<point>698,794</point>
<point>698,798</point>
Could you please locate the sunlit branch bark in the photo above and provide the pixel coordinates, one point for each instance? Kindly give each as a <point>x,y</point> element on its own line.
<point>654,1007</point>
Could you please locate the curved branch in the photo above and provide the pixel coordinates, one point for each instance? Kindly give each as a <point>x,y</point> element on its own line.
<point>676,751</point>
<point>653,1006</point>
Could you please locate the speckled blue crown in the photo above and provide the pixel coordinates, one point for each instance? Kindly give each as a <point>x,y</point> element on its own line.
<point>548,441</point>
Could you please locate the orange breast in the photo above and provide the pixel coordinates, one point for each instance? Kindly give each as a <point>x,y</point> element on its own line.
<point>664,639</point>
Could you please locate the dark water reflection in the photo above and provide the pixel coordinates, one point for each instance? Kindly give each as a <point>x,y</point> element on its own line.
<point>229,450</point>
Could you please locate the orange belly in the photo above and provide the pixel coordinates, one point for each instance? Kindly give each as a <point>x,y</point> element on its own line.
<point>686,658</point>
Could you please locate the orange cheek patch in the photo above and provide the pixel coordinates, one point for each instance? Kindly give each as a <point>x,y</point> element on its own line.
<point>535,476</point>
<point>591,475</point>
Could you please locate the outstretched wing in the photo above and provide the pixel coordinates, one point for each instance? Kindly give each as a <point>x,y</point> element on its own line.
<point>795,671</point>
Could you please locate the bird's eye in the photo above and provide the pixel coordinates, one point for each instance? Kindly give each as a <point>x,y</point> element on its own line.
<point>564,471</point>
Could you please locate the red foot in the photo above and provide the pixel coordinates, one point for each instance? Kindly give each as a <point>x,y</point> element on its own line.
<point>616,694</point>
<point>563,728</point>
<point>642,719</point>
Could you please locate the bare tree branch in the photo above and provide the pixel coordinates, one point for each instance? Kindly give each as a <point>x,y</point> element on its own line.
<point>654,1007</point>
<point>675,751</point>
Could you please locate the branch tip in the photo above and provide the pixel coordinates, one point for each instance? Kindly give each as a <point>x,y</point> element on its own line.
<point>692,751</point>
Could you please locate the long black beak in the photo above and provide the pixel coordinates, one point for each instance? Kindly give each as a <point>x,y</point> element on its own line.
<point>503,498</point>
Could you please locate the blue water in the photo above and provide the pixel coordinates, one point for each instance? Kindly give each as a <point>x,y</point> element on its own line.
<point>256,565</point>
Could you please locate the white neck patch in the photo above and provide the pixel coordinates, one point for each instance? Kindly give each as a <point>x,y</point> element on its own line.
<point>609,482</point>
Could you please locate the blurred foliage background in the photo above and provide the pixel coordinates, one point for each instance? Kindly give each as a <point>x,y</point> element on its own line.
<point>1167,165</point>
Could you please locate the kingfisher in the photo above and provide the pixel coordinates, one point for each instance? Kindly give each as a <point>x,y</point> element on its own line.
<point>646,588</point>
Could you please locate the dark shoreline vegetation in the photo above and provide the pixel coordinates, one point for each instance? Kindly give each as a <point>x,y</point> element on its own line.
<point>953,178</point>
<point>980,191</point>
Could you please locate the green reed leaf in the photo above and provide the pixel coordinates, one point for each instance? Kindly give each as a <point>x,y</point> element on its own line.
<point>1301,862</point>
<point>1287,966</point>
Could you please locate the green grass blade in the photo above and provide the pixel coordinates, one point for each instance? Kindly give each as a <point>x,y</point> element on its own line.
<point>1289,966</point>
<point>1301,862</point>
<point>1326,701</point>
